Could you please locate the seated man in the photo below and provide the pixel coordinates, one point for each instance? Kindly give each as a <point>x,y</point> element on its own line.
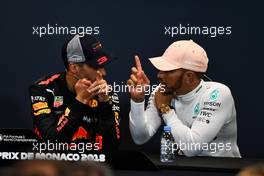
<point>74,105</point>
<point>201,114</point>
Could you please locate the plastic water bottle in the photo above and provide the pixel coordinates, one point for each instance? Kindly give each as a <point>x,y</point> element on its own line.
<point>166,145</point>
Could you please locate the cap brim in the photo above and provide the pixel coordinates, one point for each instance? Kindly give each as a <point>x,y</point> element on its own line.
<point>161,64</point>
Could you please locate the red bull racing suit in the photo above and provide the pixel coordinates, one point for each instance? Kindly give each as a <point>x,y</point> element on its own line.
<point>57,115</point>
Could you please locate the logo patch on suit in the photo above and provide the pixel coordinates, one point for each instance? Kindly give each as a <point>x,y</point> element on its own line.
<point>93,103</point>
<point>58,101</point>
<point>214,95</point>
<point>197,109</point>
<point>40,105</point>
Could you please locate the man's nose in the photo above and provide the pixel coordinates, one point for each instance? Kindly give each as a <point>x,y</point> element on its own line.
<point>102,71</point>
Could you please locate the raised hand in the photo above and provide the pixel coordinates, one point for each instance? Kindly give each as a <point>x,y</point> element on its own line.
<point>81,89</point>
<point>103,88</point>
<point>138,82</point>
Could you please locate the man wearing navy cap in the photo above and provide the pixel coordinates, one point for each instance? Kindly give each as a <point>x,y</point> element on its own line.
<point>75,105</point>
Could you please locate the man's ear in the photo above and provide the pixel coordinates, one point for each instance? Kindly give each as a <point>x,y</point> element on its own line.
<point>73,68</point>
<point>189,77</point>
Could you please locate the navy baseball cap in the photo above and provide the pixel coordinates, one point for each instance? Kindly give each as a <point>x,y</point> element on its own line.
<point>86,49</point>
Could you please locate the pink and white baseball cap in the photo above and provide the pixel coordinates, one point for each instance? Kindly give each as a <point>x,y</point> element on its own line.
<point>182,54</point>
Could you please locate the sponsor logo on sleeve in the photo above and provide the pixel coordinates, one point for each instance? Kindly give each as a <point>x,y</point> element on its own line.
<point>115,108</point>
<point>117,120</point>
<point>115,98</point>
<point>67,111</point>
<point>39,105</point>
<point>58,101</point>
<point>62,122</point>
<point>37,98</point>
<point>42,111</point>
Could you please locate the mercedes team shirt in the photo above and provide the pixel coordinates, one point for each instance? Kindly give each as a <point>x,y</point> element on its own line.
<point>203,122</point>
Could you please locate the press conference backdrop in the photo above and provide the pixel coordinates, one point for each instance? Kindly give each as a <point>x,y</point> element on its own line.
<point>127,28</point>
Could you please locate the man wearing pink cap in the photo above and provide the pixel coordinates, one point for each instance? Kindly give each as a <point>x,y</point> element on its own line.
<point>201,114</point>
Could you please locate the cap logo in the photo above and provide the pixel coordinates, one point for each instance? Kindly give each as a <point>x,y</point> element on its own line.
<point>96,46</point>
<point>102,60</point>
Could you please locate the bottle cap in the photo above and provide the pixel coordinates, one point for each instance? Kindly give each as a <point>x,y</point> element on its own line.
<point>167,128</point>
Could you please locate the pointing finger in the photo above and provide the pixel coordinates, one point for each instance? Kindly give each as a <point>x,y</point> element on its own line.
<point>138,64</point>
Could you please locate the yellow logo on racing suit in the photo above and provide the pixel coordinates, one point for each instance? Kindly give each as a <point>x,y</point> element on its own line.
<point>42,111</point>
<point>40,105</point>
<point>93,103</point>
<point>66,114</point>
<point>67,111</point>
<point>116,116</point>
<point>117,124</point>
